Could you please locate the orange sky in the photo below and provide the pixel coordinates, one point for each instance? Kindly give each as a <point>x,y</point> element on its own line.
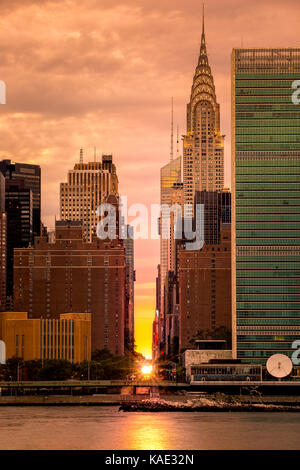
<point>102,72</point>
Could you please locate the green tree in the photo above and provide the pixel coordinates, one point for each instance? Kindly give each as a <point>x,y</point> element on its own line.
<point>32,369</point>
<point>14,368</point>
<point>56,369</point>
<point>215,333</point>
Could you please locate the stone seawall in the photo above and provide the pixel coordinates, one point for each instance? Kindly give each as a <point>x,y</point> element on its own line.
<point>204,405</point>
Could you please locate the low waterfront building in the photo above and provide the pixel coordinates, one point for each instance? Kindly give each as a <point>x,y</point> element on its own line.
<point>225,371</point>
<point>205,351</point>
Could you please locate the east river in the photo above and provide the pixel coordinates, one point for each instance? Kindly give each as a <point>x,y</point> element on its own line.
<point>96,427</point>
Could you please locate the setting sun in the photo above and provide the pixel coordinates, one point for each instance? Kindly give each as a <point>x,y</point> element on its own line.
<point>147,369</point>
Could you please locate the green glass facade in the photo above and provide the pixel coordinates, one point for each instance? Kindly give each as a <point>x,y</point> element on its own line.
<point>266,190</point>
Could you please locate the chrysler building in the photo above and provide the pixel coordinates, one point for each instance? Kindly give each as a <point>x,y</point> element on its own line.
<point>203,144</point>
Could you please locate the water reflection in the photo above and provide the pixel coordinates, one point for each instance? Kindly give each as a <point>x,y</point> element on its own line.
<point>145,432</point>
<point>106,428</point>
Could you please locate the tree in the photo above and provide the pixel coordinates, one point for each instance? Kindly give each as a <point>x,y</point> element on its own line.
<point>56,369</point>
<point>216,333</point>
<point>101,354</point>
<point>32,369</point>
<point>13,366</point>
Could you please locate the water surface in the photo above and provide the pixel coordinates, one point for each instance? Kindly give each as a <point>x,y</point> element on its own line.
<point>93,427</point>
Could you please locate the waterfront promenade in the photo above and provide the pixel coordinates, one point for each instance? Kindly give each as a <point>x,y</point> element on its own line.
<point>112,392</point>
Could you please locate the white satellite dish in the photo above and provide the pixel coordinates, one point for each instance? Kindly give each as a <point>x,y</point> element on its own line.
<point>279,365</point>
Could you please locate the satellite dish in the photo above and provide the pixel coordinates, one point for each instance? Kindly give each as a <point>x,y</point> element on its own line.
<point>279,365</point>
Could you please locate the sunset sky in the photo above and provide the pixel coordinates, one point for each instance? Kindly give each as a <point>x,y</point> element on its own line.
<point>85,73</point>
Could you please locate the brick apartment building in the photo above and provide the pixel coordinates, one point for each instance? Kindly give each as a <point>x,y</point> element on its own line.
<point>71,275</point>
<point>205,288</point>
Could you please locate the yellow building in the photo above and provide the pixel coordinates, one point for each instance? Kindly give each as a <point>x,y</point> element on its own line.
<point>67,338</point>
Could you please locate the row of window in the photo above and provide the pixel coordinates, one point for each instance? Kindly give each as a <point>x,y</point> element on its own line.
<point>253,305</point>
<point>268,282</point>
<point>268,321</point>
<point>262,195</point>
<point>266,273</point>
<point>284,90</point>
<point>280,313</point>
<point>249,225</point>
<point>265,204</point>
<point>267,82</point>
<point>268,290</point>
<point>281,97</point>
<point>267,171</point>
<point>254,297</point>
<point>268,146</point>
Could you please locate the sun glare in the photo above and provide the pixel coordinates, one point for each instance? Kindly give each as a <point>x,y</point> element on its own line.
<point>147,369</point>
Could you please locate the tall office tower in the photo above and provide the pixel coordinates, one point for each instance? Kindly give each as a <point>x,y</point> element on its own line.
<point>19,214</point>
<point>170,174</point>
<point>31,175</point>
<point>155,343</point>
<point>175,219</point>
<point>3,259</point>
<point>217,210</point>
<point>2,193</point>
<point>171,306</point>
<point>203,144</point>
<point>204,278</point>
<point>74,276</point>
<point>171,310</point>
<point>3,244</point>
<point>156,347</point>
<point>130,279</point>
<point>266,202</point>
<point>88,184</point>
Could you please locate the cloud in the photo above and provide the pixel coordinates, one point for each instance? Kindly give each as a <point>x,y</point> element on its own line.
<point>89,73</point>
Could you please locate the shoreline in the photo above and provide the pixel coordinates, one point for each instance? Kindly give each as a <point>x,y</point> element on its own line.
<point>163,403</point>
<point>205,405</point>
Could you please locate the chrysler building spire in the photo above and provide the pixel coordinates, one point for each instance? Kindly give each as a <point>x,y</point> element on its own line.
<point>203,160</point>
<point>203,59</point>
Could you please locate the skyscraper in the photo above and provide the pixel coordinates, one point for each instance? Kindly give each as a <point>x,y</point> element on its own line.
<point>266,202</point>
<point>88,185</point>
<point>31,176</point>
<point>216,211</point>
<point>3,244</point>
<point>175,218</point>
<point>23,211</point>
<point>203,144</point>
<point>170,174</point>
<point>130,279</point>
<point>19,214</point>
<point>205,289</point>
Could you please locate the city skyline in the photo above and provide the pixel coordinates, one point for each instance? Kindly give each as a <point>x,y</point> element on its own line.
<point>51,111</point>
